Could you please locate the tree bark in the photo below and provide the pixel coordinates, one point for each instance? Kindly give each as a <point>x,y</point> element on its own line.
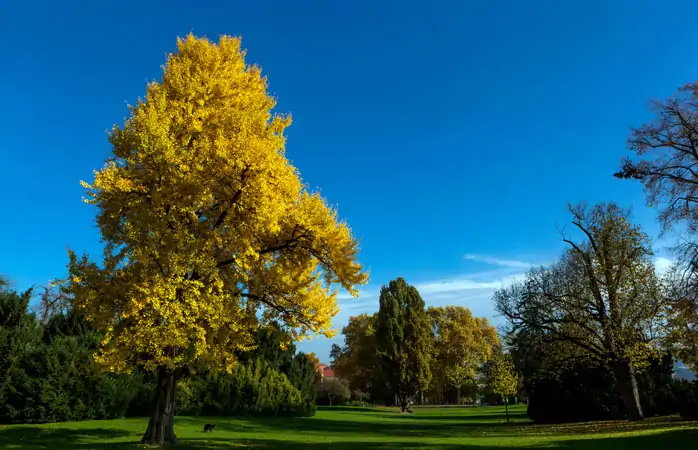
<point>403,402</point>
<point>627,385</point>
<point>160,429</point>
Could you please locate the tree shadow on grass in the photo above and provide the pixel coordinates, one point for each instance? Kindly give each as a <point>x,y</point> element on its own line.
<point>347,427</point>
<point>606,427</point>
<point>496,424</point>
<point>351,409</point>
<point>34,438</point>
<point>368,427</point>
<point>481,418</point>
<point>680,439</point>
<point>676,438</point>
<point>270,444</point>
<point>447,428</point>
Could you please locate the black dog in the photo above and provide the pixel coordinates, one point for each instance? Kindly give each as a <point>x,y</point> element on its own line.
<point>209,427</point>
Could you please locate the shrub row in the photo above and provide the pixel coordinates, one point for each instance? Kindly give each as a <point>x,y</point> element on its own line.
<point>47,374</point>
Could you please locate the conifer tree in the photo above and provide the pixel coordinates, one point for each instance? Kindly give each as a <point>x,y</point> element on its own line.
<point>403,341</point>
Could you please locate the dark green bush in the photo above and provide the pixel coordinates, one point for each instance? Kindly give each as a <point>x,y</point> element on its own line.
<point>251,389</point>
<point>47,374</point>
<point>268,381</point>
<point>585,393</point>
<point>687,397</point>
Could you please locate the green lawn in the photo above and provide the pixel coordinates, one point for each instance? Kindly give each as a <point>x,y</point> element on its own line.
<point>365,429</point>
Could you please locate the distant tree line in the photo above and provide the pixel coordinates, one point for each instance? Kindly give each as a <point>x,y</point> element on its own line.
<point>47,373</point>
<point>591,336</point>
<point>594,335</point>
<point>406,353</point>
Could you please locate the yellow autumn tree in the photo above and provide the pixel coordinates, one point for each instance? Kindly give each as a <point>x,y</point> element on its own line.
<point>209,231</point>
<point>503,379</point>
<point>462,344</point>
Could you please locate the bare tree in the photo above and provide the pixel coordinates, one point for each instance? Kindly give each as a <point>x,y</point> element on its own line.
<point>53,300</point>
<point>667,164</point>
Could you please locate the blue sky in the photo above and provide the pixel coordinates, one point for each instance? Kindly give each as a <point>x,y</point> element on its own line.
<point>450,134</point>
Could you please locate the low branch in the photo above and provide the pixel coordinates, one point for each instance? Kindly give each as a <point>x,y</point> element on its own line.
<point>280,309</point>
<point>225,262</point>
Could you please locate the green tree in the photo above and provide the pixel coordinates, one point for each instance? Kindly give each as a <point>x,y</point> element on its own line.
<point>683,326</point>
<point>503,379</point>
<point>682,317</point>
<point>20,346</point>
<point>403,341</point>
<point>601,300</point>
<point>46,369</point>
<point>333,389</point>
<point>273,348</point>
<point>356,360</point>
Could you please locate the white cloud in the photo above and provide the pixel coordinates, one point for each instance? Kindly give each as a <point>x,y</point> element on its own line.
<point>346,296</point>
<point>464,287</point>
<point>462,284</point>
<point>472,290</point>
<point>662,264</point>
<point>513,263</point>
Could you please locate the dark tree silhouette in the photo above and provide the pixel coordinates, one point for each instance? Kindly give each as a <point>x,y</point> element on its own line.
<point>600,301</point>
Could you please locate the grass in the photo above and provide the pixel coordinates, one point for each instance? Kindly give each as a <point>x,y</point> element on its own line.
<point>365,429</point>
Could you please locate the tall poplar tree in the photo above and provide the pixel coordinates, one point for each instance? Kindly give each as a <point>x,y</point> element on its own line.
<point>403,341</point>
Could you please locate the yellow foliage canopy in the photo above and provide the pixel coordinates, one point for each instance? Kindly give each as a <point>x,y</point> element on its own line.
<point>503,378</point>
<point>462,343</point>
<point>209,230</point>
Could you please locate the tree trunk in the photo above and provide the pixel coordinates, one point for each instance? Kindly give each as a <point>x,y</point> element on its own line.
<point>403,402</point>
<point>627,385</point>
<point>160,429</point>
<point>458,397</point>
<point>506,408</point>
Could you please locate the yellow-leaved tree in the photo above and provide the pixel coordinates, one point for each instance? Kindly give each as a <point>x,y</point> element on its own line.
<point>209,232</point>
<point>503,379</point>
<point>462,345</point>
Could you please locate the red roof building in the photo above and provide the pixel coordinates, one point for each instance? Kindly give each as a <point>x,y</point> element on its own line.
<point>325,371</point>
